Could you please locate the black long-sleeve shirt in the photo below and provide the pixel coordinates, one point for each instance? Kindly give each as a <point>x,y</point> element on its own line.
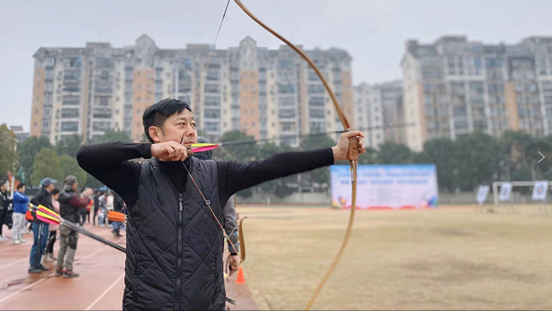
<point>110,163</point>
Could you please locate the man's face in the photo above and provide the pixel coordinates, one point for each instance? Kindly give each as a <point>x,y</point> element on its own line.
<point>50,187</point>
<point>74,186</point>
<point>175,128</point>
<point>22,189</point>
<point>3,187</point>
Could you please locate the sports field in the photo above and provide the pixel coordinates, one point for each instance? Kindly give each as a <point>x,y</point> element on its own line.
<point>449,258</point>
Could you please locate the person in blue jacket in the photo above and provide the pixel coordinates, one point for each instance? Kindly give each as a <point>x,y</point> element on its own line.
<point>20,205</point>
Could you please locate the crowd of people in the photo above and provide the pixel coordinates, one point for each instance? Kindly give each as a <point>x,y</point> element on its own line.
<point>17,216</point>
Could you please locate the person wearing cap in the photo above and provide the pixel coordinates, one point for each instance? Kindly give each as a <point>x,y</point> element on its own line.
<point>40,228</point>
<point>70,204</point>
<point>20,202</point>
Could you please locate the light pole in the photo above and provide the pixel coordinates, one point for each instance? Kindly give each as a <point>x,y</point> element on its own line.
<point>13,174</point>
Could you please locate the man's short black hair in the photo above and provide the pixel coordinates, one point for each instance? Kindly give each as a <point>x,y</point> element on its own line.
<point>21,185</point>
<point>157,114</point>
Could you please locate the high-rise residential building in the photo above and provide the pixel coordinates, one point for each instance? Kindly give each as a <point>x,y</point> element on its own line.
<point>455,86</point>
<point>19,132</point>
<point>377,111</point>
<point>264,93</point>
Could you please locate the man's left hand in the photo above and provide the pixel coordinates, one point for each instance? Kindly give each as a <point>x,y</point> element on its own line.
<point>342,148</point>
<point>234,262</point>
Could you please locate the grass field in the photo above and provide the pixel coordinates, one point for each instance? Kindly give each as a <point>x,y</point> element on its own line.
<point>449,258</point>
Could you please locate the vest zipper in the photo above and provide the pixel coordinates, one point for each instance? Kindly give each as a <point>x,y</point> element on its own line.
<point>179,255</point>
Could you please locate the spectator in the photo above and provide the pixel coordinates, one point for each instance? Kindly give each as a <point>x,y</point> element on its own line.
<point>40,228</point>
<point>70,204</point>
<point>20,205</point>
<point>4,203</point>
<point>103,212</point>
<point>49,257</point>
<point>118,206</point>
<point>96,206</point>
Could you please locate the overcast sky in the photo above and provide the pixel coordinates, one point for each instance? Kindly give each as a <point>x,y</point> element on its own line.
<point>373,32</point>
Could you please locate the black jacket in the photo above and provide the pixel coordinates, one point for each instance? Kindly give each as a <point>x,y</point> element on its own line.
<point>44,198</point>
<point>70,203</point>
<point>4,202</point>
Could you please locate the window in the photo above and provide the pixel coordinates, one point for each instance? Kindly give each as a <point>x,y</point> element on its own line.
<point>212,88</point>
<point>71,86</point>
<point>316,101</point>
<point>286,101</point>
<point>286,88</point>
<point>316,114</point>
<point>212,101</point>
<point>212,114</point>
<point>70,100</point>
<point>213,75</point>
<point>67,113</point>
<point>103,101</point>
<point>69,126</point>
<point>102,113</point>
<point>287,126</point>
<point>50,61</point>
<point>71,74</point>
<point>286,113</point>
<point>101,126</point>
<point>316,89</point>
<point>104,62</point>
<point>212,126</point>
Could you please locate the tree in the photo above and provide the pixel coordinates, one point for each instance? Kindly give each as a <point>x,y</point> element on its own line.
<point>69,145</point>
<point>70,166</point>
<point>240,153</point>
<point>8,155</point>
<point>112,135</point>
<point>393,153</point>
<point>442,153</point>
<point>264,151</point>
<point>320,175</point>
<point>369,157</point>
<point>511,154</point>
<point>28,150</point>
<point>46,164</point>
<point>476,158</point>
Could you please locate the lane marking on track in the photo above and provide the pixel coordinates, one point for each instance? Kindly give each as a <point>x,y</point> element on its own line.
<point>105,293</point>
<point>51,275</point>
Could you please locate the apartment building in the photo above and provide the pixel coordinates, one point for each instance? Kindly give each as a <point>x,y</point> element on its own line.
<point>262,92</point>
<point>378,111</point>
<point>455,86</point>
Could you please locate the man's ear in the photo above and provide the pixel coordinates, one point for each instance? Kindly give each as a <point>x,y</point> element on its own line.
<point>155,133</point>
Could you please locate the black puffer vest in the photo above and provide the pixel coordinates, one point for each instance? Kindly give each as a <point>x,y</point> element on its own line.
<point>174,245</point>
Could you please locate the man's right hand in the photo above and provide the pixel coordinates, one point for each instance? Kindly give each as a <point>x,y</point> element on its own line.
<point>170,151</point>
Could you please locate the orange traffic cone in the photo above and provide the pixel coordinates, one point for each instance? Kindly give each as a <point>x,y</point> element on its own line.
<point>240,279</point>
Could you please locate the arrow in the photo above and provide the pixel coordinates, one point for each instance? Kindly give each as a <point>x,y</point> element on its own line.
<point>202,147</point>
<point>543,157</point>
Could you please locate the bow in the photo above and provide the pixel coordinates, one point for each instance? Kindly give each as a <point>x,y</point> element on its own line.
<point>352,154</point>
